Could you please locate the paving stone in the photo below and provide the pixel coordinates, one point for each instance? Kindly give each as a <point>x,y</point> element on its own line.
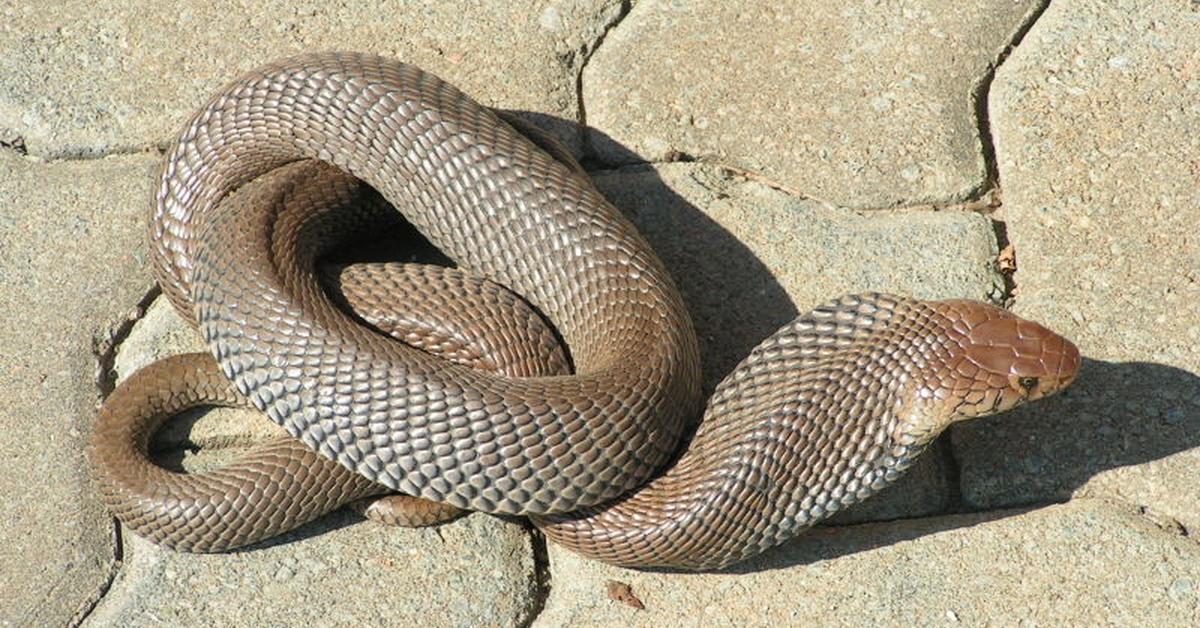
<point>748,258</point>
<point>80,78</point>
<point>866,104</point>
<point>72,263</point>
<point>1095,117</point>
<point>337,571</point>
<point>1082,563</point>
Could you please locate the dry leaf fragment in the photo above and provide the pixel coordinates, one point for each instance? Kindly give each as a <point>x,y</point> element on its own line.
<point>621,592</point>
<point>1006,262</point>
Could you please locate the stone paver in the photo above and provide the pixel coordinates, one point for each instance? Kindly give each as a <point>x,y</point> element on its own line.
<point>338,571</point>
<point>72,261</point>
<point>865,104</point>
<point>1095,118</point>
<point>1085,563</point>
<point>81,78</point>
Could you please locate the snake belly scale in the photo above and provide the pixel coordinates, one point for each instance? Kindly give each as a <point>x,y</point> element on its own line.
<point>825,412</point>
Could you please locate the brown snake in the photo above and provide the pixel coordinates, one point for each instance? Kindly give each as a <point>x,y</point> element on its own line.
<point>825,412</point>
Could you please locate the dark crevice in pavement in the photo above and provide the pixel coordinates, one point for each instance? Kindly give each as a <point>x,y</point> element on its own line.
<point>110,577</point>
<point>1163,521</point>
<point>1168,524</point>
<point>106,344</point>
<point>983,90</point>
<point>15,143</point>
<point>585,141</point>
<point>541,576</point>
<point>1006,264</point>
<point>991,183</point>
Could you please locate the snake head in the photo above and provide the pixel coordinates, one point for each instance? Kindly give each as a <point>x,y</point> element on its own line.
<point>989,361</point>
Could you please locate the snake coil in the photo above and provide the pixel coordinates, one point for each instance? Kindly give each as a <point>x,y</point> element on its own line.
<point>825,412</point>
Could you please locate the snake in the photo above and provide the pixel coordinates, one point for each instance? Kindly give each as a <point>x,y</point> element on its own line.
<point>608,446</point>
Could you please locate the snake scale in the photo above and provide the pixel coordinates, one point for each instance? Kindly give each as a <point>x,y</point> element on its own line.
<point>823,413</point>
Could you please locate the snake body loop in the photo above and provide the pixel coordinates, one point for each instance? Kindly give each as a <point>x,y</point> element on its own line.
<point>502,209</point>
<point>825,412</point>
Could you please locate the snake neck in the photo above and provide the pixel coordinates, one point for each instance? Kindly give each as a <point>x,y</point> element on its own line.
<point>824,395</point>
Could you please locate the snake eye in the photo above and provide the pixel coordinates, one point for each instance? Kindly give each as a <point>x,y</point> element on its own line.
<point>1027,383</point>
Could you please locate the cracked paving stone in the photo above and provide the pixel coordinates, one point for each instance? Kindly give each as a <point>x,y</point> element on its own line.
<point>863,104</point>
<point>1095,117</point>
<point>476,571</point>
<point>80,78</point>
<point>72,262</point>
<point>1081,563</point>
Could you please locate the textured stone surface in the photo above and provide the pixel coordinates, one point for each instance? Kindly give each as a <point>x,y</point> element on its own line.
<point>748,258</point>
<point>80,78</point>
<point>1082,563</point>
<point>1095,117</point>
<point>337,571</point>
<point>72,262</point>
<point>865,104</point>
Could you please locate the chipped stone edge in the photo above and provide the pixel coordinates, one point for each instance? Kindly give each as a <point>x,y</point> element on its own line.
<point>10,140</point>
<point>1163,522</point>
